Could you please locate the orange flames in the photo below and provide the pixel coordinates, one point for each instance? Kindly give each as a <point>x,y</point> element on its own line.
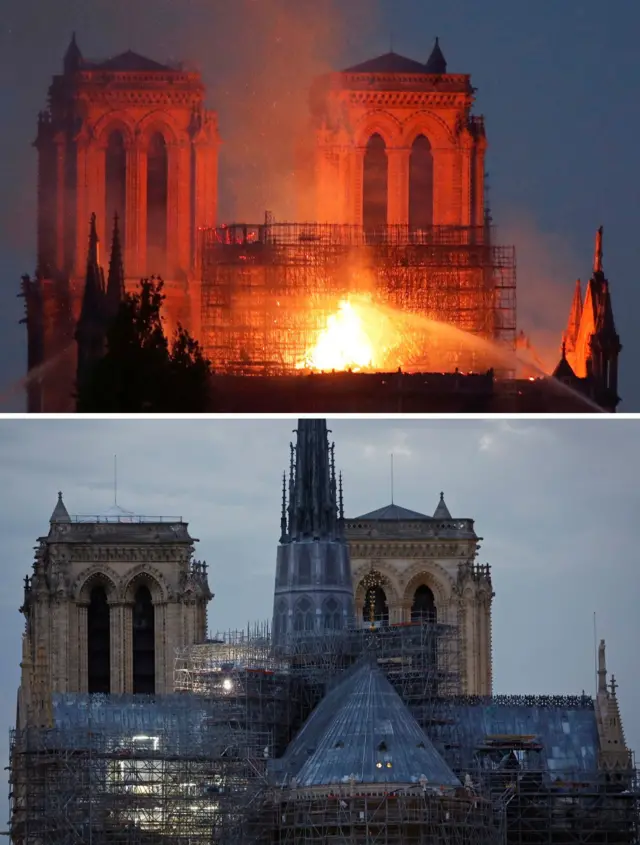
<point>358,337</point>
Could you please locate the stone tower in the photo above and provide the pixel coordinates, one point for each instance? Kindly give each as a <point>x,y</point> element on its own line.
<point>107,604</point>
<point>408,566</point>
<point>313,589</point>
<point>126,136</point>
<point>396,144</point>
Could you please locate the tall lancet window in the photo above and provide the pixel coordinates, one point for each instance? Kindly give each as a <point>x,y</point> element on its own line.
<point>144,651</point>
<point>116,181</point>
<point>421,184</point>
<point>375,185</point>
<point>157,199</point>
<point>423,608</point>
<point>98,642</point>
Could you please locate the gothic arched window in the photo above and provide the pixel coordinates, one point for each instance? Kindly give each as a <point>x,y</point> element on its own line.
<point>303,615</point>
<point>280,619</point>
<point>157,203</point>
<point>144,650</point>
<point>421,184</point>
<point>424,605</point>
<point>376,609</point>
<point>115,166</point>
<point>375,185</point>
<point>98,642</point>
<point>331,616</point>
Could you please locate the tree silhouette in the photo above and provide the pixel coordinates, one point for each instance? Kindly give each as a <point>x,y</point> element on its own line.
<point>141,372</point>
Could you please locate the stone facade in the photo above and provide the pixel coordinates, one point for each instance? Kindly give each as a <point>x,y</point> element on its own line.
<point>119,555</point>
<point>129,136</point>
<point>421,565</point>
<point>397,102</point>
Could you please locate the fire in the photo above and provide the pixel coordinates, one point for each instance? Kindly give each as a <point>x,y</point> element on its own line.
<point>347,343</point>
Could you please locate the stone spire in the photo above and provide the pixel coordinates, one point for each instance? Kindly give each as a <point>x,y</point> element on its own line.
<point>575,318</point>
<point>93,296</point>
<point>442,511</point>
<point>313,509</point>
<point>91,328</point>
<point>597,255</point>
<point>436,63</point>
<point>115,279</point>
<point>60,513</point>
<point>313,589</point>
<point>73,57</point>
<point>602,669</point>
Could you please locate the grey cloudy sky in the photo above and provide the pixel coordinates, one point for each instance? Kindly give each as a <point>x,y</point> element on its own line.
<point>556,501</point>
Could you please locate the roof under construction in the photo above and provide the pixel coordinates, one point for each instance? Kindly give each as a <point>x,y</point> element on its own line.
<point>363,733</point>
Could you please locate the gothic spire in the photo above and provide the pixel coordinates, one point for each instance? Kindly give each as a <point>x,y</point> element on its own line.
<point>436,63</point>
<point>602,669</point>
<point>597,257</point>
<point>115,279</point>
<point>60,513</point>
<point>283,515</point>
<point>73,57</point>
<point>313,511</point>
<point>442,511</point>
<point>575,318</point>
<point>93,297</point>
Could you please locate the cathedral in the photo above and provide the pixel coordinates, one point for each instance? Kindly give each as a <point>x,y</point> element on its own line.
<point>365,713</point>
<point>392,210</point>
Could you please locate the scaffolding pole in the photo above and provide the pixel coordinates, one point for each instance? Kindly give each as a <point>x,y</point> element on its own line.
<point>268,292</point>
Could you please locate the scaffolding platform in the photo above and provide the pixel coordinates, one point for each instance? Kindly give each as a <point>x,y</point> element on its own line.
<point>269,290</point>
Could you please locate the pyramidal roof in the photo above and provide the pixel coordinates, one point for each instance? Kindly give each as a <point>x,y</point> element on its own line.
<point>60,513</point>
<point>362,732</point>
<point>388,63</point>
<point>442,511</point>
<point>394,512</point>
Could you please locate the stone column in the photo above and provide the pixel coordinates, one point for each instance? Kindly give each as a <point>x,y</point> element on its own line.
<point>116,640</point>
<point>60,230</point>
<point>467,177</point>
<point>356,181</point>
<point>178,210</point>
<point>127,647</point>
<point>204,200</point>
<point>398,190</point>
<point>83,213</point>
<point>478,183</point>
<point>98,201</point>
<point>83,656</point>
<point>136,213</point>
<point>160,628</point>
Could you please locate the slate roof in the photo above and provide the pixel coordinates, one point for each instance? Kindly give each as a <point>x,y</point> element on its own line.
<point>60,513</point>
<point>388,63</point>
<point>363,730</point>
<point>567,732</point>
<point>130,61</point>
<point>442,511</point>
<point>394,512</point>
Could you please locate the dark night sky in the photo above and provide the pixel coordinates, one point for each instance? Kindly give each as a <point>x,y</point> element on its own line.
<point>558,84</point>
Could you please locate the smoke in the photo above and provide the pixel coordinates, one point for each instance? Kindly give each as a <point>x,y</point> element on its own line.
<point>272,53</point>
<point>547,269</point>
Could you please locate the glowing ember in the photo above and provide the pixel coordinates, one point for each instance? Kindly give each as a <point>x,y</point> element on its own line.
<point>347,343</point>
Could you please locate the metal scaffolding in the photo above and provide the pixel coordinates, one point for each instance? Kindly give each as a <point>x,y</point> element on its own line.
<point>201,765</point>
<point>269,290</point>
